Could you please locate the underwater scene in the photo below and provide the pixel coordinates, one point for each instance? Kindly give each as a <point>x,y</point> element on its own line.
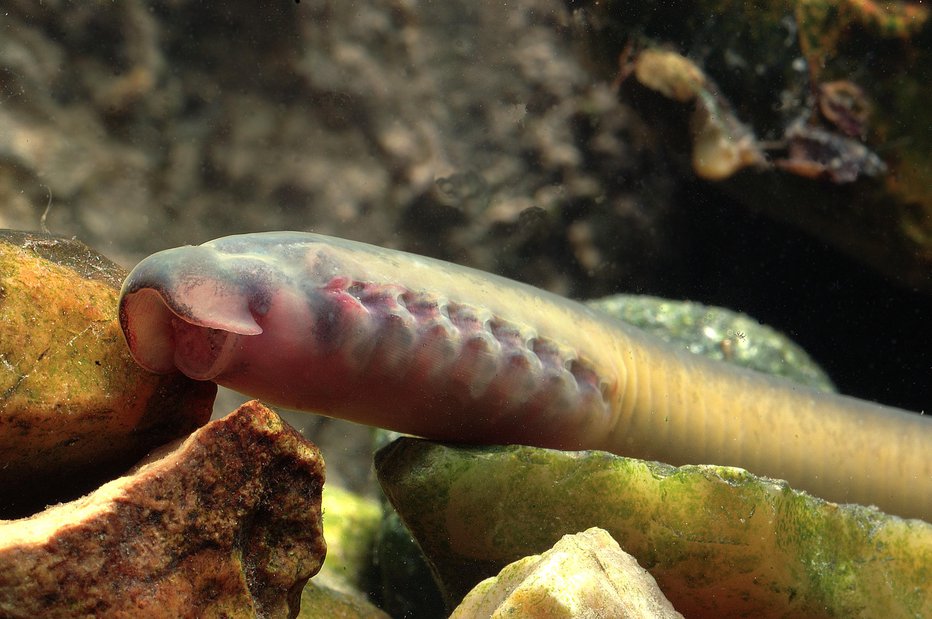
<point>419,309</point>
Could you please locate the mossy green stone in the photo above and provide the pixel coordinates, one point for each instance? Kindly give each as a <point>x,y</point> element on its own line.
<point>717,333</point>
<point>321,601</point>
<point>352,525</point>
<point>719,541</point>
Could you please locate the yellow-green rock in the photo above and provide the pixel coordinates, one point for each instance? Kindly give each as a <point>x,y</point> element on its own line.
<point>75,409</point>
<point>718,540</point>
<point>717,333</point>
<point>339,590</point>
<point>352,525</point>
<point>406,585</point>
<point>319,601</point>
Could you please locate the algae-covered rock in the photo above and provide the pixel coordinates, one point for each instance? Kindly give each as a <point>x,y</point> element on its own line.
<point>352,525</point>
<point>583,575</point>
<point>718,540</point>
<point>340,589</point>
<point>75,408</point>
<point>319,600</point>
<point>717,333</point>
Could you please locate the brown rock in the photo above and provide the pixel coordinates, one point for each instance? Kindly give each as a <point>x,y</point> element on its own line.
<point>75,409</point>
<point>226,523</point>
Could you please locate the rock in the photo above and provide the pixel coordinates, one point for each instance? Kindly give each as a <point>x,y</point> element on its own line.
<point>370,556</point>
<point>75,409</point>
<point>225,523</point>
<point>717,333</point>
<point>340,588</point>
<point>319,600</point>
<point>719,541</point>
<point>583,575</point>
<point>352,524</point>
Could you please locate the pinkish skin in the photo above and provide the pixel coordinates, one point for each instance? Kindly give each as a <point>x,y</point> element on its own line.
<point>449,353</point>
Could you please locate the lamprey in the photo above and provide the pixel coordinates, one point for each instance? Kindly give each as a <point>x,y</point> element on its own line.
<point>442,351</point>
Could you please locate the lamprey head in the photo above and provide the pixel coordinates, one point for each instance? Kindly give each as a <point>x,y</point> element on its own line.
<point>185,309</point>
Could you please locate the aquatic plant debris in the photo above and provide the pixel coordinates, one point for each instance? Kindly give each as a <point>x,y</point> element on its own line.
<point>822,23</point>
<point>722,145</point>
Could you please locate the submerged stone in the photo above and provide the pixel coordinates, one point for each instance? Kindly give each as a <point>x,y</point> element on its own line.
<point>225,523</point>
<point>718,540</point>
<point>75,409</point>
<point>583,575</point>
<point>717,333</point>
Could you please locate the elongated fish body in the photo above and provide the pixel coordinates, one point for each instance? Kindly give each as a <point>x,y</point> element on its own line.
<point>442,351</point>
